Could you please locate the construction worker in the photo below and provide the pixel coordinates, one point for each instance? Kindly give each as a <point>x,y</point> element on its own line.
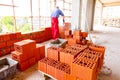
<point>55,23</point>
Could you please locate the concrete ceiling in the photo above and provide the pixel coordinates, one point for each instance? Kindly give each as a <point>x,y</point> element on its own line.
<point>110,2</point>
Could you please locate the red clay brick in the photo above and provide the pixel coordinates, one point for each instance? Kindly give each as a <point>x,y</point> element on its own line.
<point>1,52</point>
<point>31,61</point>
<point>51,67</point>
<point>100,57</point>
<point>85,69</point>
<point>70,77</point>
<point>62,56</point>
<point>97,48</point>
<point>68,32</point>
<point>84,41</point>
<point>37,54</point>
<point>26,36</point>
<point>53,52</point>
<point>51,70</point>
<point>60,75</point>
<point>12,48</point>
<point>23,65</point>
<point>84,34</point>
<point>42,50</point>
<point>7,50</point>
<point>18,35</point>
<point>72,41</point>
<point>78,39</point>
<point>4,37</point>
<point>10,43</point>
<point>20,57</point>
<point>62,69</point>
<point>26,47</point>
<point>42,64</point>
<point>77,33</point>
<point>2,44</point>
<point>67,25</point>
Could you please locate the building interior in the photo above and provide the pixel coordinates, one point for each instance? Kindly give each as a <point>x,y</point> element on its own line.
<point>22,20</point>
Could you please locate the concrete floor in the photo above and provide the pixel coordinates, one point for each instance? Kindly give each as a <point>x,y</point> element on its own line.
<point>110,38</point>
<point>105,36</point>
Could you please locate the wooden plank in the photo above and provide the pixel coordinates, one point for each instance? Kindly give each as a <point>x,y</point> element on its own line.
<point>111,4</point>
<point>45,74</point>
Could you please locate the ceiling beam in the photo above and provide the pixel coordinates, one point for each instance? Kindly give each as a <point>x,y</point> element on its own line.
<point>111,4</point>
<point>100,2</point>
<point>7,5</point>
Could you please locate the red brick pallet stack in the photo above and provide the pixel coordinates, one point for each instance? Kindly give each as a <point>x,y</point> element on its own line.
<point>27,53</point>
<point>74,62</point>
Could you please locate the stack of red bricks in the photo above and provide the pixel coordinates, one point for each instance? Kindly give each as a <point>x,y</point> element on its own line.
<point>6,42</point>
<point>68,34</point>
<point>27,53</point>
<point>64,28</point>
<point>88,64</point>
<point>78,37</point>
<point>39,52</point>
<point>79,62</point>
<point>54,68</point>
<point>68,54</point>
<point>54,53</point>
<point>84,69</point>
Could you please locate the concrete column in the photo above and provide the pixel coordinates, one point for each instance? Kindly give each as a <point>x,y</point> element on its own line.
<point>101,14</point>
<point>76,15</point>
<point>82,15</point>
<point>98,14</point>
<point>89,15</point>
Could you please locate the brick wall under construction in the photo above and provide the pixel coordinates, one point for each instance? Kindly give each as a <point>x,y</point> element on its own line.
<point>7,40</point>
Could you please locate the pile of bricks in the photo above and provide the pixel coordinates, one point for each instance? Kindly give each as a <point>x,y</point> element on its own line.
<point>27,53</point>
<point>100,56</point>
<point>39,52</point>
<point>84,69</point>
<point>54,68</point>
<point>64,28</point>
<point>97,48</point>
<point>79,62</point>
<point>7,40</point>
<point>77,37</point>
<point>68,34</point>
<point>68,54</point>
<point>54,53</point>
